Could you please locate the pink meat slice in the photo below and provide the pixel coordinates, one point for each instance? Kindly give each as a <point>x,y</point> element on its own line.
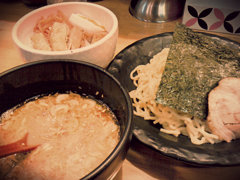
<point>224,109</point>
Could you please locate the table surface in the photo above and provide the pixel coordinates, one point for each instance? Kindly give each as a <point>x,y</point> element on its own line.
<point>142,162</point>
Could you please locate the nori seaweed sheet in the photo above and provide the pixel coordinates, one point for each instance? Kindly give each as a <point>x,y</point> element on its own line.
<point>195,64</point>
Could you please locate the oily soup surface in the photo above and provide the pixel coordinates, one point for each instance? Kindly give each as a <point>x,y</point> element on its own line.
<point>75,135</point>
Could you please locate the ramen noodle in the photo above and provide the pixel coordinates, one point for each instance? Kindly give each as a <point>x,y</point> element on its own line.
<point>75,135</point>
<point>147,78</point>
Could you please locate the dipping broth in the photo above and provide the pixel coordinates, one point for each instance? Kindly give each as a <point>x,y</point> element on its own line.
<point>75,134</point>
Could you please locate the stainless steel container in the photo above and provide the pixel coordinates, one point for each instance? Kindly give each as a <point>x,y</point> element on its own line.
<point>157,10</point>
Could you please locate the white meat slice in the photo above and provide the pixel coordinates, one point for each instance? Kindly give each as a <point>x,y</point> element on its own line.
<point>224,109</point>
<point>85,23</point>
<point>59,36</point>
<point>75,38</point>
<point>40,42</point>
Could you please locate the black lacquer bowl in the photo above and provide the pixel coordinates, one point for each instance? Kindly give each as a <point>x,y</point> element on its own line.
<point>52,76</point>
<point>140,52</point>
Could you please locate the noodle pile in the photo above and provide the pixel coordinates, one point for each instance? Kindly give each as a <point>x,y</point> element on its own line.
<point>147,78</point>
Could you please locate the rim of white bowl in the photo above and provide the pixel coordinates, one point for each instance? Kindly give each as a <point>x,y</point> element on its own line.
<point>73,51</point>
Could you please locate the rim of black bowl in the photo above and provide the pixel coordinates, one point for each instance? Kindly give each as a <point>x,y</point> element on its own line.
<point>127,132</point>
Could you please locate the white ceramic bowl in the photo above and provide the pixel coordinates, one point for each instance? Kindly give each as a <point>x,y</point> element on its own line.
<point>99,53</point>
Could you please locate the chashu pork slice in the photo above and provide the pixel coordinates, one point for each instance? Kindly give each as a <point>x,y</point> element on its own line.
<point>224,109</point>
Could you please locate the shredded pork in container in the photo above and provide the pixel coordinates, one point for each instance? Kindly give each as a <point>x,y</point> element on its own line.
<point>57,32</point>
